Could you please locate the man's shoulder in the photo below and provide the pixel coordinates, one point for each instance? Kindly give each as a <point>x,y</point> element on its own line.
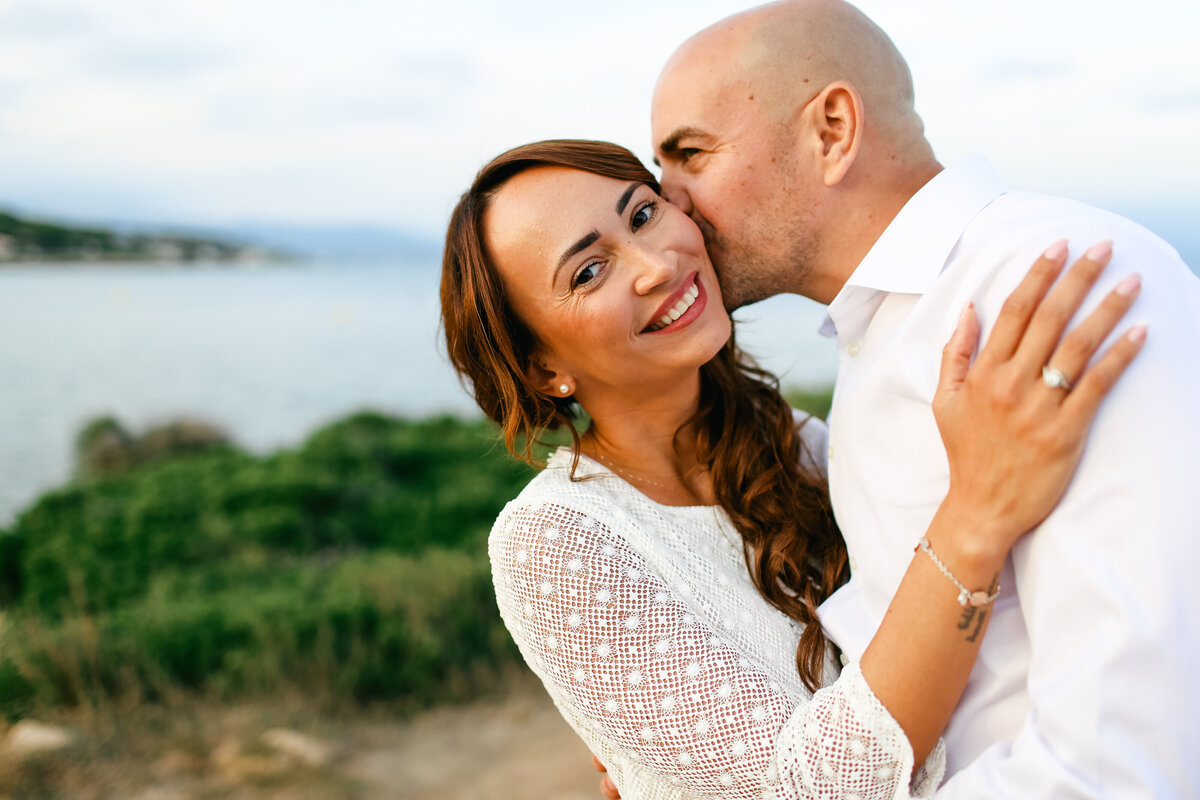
<point>1017,217</point>
<point>1005,239</point>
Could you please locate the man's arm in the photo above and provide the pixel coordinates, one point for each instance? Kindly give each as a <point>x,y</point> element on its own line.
<point>1109,585</point>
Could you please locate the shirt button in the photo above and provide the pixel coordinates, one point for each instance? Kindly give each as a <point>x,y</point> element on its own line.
<point>845,659</point>
<point>830,452</point>
<point>853,564</point>
<point>852,349</point>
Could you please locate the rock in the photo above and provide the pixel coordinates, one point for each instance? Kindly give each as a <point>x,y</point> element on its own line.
<point>305,749</point>
<point>236,767</point>
<point>30,736</point>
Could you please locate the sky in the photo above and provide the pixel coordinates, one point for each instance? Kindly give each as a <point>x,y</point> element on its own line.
<point>378,112</point>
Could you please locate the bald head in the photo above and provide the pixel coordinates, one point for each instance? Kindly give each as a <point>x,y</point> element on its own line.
<point>788,134</point>
<point>784,53</point>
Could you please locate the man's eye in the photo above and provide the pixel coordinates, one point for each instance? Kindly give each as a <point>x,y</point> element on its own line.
<point>643,215</point>
<point>586,275</point>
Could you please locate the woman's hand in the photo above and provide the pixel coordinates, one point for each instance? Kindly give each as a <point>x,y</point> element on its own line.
<point>1014,434</point>
<point>607,787</point>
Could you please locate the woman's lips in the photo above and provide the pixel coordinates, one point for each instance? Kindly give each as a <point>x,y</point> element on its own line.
<point>680,309</point>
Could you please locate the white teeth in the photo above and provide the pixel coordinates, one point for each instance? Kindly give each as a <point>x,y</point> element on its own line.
<point>685,302</point>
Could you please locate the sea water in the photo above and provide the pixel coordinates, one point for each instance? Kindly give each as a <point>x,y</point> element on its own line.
<point>268,354</point>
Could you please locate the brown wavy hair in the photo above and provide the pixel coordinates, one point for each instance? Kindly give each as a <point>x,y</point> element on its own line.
<point>744,429</point>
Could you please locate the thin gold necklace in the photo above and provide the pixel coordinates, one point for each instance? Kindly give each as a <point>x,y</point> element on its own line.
<point>636,479</point>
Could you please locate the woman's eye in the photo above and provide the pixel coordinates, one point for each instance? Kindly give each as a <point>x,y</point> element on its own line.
<point>643,214</point>
<point>586,275</point>
<point>684,154</point>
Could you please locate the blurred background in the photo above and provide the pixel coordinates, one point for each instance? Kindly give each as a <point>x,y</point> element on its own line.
<point>226,471</point>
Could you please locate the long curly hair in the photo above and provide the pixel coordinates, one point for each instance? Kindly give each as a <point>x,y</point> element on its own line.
<point>745,432</point>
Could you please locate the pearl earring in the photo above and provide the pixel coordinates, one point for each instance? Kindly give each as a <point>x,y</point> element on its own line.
<point>564,389</point>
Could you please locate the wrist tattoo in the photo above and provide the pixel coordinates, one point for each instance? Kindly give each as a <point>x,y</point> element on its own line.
<point>969,615</point>
<point>976,615</point>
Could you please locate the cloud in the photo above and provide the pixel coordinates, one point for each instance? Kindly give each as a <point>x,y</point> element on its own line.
<point>159,62</point>
<point>1171,100</point>
<point>381,111</point>
<point>1010,72</point>
<point>47,19</point>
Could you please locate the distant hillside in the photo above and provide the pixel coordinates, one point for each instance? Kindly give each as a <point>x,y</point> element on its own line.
<point>340,242</point>
<point>30,240</point>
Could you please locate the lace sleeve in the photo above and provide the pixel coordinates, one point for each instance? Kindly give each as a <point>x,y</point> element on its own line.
<point>653,691</point>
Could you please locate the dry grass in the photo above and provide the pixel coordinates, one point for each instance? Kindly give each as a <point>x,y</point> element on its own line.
<point>512,745</point>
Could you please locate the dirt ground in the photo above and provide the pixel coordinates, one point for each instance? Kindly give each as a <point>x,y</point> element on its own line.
<point>516,748</point>
<point>509,747</point>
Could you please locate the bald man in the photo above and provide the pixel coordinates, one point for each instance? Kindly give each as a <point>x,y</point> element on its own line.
<point>788,134</point>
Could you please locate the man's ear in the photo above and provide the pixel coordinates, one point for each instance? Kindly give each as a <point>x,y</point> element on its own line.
<point>546,379</point>
<point>836,123</point>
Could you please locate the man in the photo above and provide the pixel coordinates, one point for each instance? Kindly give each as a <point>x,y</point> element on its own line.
<point>788,134</point>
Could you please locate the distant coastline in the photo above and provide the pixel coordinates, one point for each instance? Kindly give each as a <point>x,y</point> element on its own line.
<point>25,241</point>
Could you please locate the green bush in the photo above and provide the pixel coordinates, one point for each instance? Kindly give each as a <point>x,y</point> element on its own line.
<point>815,401</point>
<point>361,484</point>
<point>353,567</point>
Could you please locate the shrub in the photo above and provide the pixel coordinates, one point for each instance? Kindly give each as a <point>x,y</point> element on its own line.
<point>352,568</point>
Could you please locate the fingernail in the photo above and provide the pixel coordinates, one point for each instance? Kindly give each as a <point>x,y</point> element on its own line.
<point>1056,251</point>
<point>1137,334</point>
<point>966,310</point>
<point>1099,251</point>
<point>1129,285</point>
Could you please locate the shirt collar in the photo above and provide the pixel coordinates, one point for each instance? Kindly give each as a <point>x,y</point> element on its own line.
<point>914,248</point>
<point>910,254</point>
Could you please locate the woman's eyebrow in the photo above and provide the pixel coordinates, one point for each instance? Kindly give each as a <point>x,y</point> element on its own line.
<point>623,200</point>
<point>583,244</point>
<point>590,239</point>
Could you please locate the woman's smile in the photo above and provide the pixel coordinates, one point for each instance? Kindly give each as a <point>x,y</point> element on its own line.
<point>684,305</point>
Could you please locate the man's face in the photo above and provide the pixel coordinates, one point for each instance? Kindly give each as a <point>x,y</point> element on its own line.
<point>732,167</point>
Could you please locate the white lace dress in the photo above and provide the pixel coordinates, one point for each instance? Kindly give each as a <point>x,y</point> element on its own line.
<point>643,624</point>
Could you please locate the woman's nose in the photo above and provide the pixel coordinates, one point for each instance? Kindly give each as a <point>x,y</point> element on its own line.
<point>656,267</point>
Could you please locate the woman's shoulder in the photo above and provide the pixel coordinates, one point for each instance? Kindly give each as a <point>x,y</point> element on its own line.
<point>565,480</point>
<point>565,490</point>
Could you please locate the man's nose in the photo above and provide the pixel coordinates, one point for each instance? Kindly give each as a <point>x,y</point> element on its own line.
<point>675,192</point>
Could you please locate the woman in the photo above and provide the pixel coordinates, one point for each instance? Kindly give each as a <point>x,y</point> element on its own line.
<point>621,570</point>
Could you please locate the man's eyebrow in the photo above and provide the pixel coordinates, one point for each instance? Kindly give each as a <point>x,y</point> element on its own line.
<point>670,144</point>
<point>583,244</point>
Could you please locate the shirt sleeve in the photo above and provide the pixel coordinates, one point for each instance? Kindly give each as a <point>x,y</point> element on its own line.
<point>814,441</point>
<point>652,689</point>
<point>1108,583</point>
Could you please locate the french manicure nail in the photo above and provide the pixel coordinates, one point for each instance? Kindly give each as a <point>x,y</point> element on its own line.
<point>1137,334</point>
<point>1129,285</point>
<point>1056,250</point>
<point>965,311</point>
<point>1099,251</point>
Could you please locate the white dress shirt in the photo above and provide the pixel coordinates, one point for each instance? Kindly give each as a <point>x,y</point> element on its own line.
<point>1086,683</point>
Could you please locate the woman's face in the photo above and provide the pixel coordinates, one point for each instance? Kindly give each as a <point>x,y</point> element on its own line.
<point>613,280</point>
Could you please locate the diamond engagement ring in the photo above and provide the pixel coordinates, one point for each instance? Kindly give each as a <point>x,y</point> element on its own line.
<point>1054,378</point>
